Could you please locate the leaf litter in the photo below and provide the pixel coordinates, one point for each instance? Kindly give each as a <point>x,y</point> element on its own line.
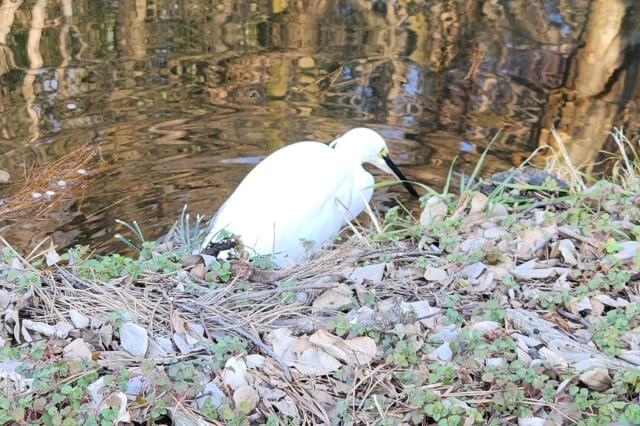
<point>482,311</point>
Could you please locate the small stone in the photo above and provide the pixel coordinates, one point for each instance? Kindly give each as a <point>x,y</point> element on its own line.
<point>442,352</point>
<point>435,274</point>
<point>134,339</point>
<point>306,62</point>
<point>597,379</point>
<point>78,319</point>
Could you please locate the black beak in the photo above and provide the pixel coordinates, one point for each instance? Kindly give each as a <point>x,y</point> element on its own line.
<point>401,177</point>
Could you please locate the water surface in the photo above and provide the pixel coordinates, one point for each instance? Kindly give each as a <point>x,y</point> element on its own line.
<point>180,98</point>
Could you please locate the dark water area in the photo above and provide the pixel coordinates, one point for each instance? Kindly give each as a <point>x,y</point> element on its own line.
<point>180,98</point>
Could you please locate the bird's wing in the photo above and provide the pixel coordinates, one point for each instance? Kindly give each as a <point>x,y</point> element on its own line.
<point>289,189</point>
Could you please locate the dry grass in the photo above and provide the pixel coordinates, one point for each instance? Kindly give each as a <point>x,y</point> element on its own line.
<point>48,188</point>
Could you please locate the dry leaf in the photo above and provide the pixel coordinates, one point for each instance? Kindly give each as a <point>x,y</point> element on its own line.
<point>254,361</point>
<point>531,421</point>
<point>568,252</point>
<point>282,343</point>
<point>234,372</point>
<point>198,271</point>
<point>334,298</point>
<point>532,240</point>
<point>213,394</point>
<point>434,211</point>
<point>245,397</point>
<point>77,349</point>
<point>51,256</point>
<point>442,352</point>
<point>478,202</point>
<point>287,407</point>
<point>372,273</point>
<point>316,362</point>
<point>358,351</point>
<point>435,274</point>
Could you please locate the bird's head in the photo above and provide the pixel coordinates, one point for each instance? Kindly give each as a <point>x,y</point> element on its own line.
<point>367,146</point>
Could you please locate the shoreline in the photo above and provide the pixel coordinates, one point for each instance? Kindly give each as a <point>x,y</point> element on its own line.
<point>520,306</point>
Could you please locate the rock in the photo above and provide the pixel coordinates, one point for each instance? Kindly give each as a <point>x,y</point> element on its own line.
<point>134,339</point>
<point>371,273</point>
<point>78,319</point>
<point>484,326</point>
<point>435,274</point>
<point>474,270</point>
<point>212,393</point>
<point>442,352</point>
<point>531,421</point>
<point>628,250</point>
<point>596,378</point>
<point>421,309</point>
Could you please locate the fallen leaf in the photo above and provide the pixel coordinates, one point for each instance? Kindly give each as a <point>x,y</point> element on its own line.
<point>245,398</point>
<point>421,309</point>
<point>531,421</point>
<point>77,349</point>
<point>234,372</point>
<point>442,352</point>
<point>117,401</point>
<point>532,240</point>
<point>281,341</point>
<point>478,202</point>
<point>287,407</point>
<point>4,176</point>
<point>435,274</point>
<point>358,351</point>
<point>134,339</point>
<point>9,371</point>
<point>316,362</point>
<point>610,301</point>
<point>334,298</point>
<point>527,271</point>
<point>474,270</point>
<point>51,256</point>
<point>484,326</point>
<point>434,211</point>
<point>568,251</point>
<point>198,271</point>
<point>372,273</point>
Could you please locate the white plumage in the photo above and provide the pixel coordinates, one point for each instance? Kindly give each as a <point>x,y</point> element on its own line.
<point>300,196</point>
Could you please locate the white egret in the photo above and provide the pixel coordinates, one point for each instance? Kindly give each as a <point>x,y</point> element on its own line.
<point>301,195</point>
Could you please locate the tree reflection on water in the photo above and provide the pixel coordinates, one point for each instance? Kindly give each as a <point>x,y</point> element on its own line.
<point>181,97</point>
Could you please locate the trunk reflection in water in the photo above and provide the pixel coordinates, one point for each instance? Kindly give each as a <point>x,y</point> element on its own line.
<point>180,98</point>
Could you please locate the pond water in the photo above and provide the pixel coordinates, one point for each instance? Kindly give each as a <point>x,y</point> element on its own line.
<point>180,98</point>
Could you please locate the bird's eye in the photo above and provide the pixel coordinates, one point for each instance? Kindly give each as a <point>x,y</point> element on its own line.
<point>383,152</point>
